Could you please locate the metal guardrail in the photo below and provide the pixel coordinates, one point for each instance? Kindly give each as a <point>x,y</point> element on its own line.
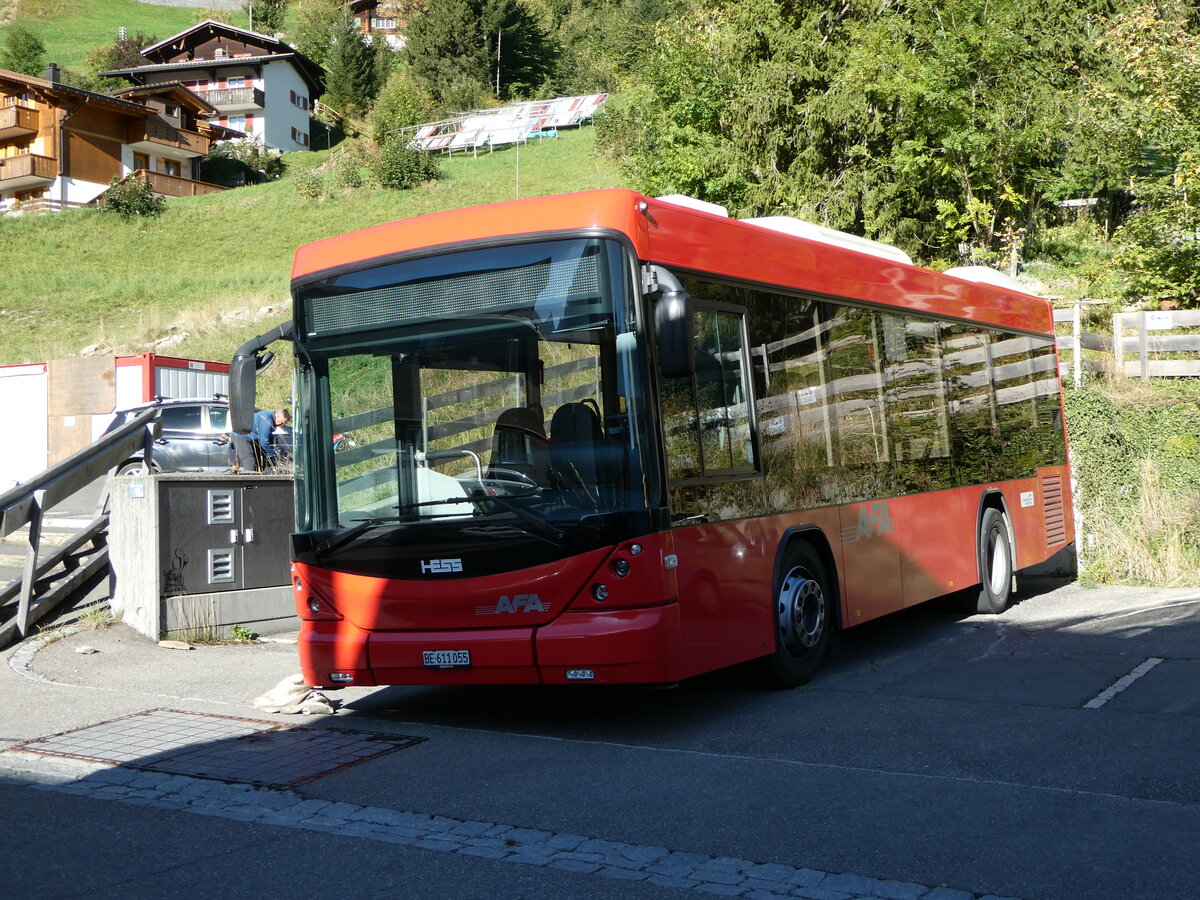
<point>27,504</point>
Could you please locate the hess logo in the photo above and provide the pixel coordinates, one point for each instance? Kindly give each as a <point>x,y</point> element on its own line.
<point>440,566</point>
<point>518,603</point>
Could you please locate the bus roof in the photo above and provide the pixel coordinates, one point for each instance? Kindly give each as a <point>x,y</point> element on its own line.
<point>688,239</point>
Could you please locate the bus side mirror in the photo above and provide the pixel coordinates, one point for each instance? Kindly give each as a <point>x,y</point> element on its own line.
<point>243,370</point>
<point>674,325</point>
<point>242,389</point>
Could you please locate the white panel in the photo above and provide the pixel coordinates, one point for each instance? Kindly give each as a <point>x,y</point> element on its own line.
<point>23,397</point>
<point>129,386</point>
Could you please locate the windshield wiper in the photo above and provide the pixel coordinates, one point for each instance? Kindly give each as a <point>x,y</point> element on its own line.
<point>339,538</point>
<point>539,527</point>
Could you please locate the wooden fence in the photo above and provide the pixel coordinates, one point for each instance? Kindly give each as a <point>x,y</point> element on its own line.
<point>1137,348</point>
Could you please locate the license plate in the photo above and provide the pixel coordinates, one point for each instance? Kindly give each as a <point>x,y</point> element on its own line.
<point>446,659</point>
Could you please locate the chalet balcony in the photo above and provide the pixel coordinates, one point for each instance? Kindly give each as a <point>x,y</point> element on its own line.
<point>235,100</point>
<point>175,185</point>
<point>27,170</point>
<point>162,139</point>
<point>17,120</point>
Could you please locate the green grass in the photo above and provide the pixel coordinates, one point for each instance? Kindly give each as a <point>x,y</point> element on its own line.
<point>209,264</point>
<point>74,27</point>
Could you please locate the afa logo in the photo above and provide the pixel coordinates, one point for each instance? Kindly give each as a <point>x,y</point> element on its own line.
<point>874,520</point>
<point>519,603</point>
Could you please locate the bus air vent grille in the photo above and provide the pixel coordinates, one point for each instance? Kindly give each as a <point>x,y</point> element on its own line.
<point>472,292</point>
<point>1052,503</point>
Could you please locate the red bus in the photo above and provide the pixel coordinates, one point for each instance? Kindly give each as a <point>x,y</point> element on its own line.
<point>605,438</point>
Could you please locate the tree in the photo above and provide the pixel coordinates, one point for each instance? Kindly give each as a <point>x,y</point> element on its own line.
<point>599,40</point>
<point>266,16</point>
<point>463,49</point>
<point>317,22</point>
<point>123,53</point>
<point>933,124</point>
<point>351,71</point>
<point>402,103</point>
<point>23,52</point>
<point>1147,115</point>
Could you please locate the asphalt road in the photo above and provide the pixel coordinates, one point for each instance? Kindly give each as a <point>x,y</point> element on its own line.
<point>1014,755</point>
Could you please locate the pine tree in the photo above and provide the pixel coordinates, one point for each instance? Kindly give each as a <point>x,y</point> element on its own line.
<point>464,49</point>
<point>351,71</point>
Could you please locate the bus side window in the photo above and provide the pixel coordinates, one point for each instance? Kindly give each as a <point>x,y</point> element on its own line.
<point>707,417</point>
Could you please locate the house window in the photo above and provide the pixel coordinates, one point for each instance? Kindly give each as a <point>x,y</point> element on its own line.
<point>171,111</point>
<point>238,122</point>
<point>237,81</point>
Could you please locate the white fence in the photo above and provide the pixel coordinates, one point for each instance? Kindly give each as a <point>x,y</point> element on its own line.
<point>1137,348</point>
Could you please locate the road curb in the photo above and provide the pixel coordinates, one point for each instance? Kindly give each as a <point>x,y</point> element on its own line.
<point>21,661</point>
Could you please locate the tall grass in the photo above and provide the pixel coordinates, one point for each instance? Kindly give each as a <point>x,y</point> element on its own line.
<point>1150,541</point>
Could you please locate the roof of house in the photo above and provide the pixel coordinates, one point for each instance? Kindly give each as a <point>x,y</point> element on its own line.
<point>271,50</point>
<point>303,62</point>
<point>182,95</point>
<point>208,28</point>
<point>58,87</point>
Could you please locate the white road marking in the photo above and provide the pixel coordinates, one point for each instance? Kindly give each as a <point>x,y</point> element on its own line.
<point>1121,684</point>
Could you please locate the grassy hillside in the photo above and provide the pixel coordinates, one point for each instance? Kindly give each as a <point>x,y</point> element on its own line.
<point>209,265</point>
<point>70,28</point>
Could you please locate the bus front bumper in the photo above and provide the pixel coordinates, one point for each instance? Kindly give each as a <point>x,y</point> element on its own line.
<point>625,646</point>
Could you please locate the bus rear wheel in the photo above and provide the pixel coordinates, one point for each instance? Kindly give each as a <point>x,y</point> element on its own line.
<point>803,617</point>
<point>995,563</point>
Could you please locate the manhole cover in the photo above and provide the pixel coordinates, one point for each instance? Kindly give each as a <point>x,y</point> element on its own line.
<point>223,748</point>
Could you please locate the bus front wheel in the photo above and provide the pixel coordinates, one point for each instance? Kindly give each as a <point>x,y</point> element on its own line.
<point>995,563</point>
<point>803,617</point>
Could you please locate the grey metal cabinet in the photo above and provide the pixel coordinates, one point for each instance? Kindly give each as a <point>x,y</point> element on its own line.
<point>224,535</point>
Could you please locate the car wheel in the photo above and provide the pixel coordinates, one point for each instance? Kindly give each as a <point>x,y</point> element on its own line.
<point>134,467</point>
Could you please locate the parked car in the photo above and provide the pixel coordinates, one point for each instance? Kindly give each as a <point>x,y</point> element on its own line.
<point>194,438</point>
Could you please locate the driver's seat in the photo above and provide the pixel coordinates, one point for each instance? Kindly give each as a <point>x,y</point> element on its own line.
<point>519,445</point>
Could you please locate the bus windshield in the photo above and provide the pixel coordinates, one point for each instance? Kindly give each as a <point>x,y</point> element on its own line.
<point>492,387</point>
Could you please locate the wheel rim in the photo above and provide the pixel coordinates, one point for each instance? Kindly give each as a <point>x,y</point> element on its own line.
<point>997,566</point>
<point>800,612</point>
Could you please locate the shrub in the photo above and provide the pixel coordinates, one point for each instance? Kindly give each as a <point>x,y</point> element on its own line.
<point>133,197</point>
<point>349,165</point>
<point>401,166</point>
<point>252,152</point>
<point>309,184</point>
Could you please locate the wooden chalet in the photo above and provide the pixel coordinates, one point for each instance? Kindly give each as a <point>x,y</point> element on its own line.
<point>61,146</point>
<point>384,17</point>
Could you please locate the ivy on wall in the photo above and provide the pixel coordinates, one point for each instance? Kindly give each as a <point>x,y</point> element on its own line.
<point>1136,456</point>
